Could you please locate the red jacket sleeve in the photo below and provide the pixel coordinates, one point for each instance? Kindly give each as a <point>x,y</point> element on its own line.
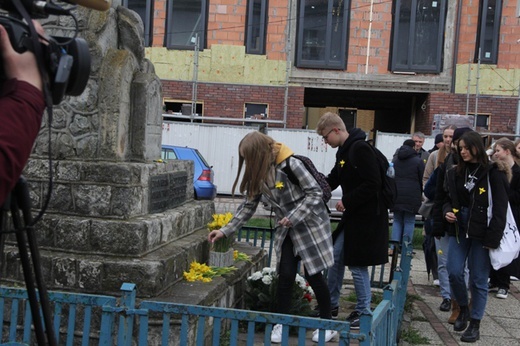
<point>21,110</point>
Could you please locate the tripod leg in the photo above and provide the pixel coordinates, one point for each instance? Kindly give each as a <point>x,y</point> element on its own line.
<point>21,200</point>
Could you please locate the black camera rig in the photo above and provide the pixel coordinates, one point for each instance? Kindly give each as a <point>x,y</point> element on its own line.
<point>66,60</point>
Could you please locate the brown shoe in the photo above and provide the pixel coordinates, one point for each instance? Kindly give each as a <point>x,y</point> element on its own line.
<point>455,309</point>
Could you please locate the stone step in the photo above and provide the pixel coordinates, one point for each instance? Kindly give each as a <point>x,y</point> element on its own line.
<point>127,238</point>
<point>154,273</point>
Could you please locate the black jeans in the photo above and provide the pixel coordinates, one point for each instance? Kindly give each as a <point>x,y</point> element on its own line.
<point>287,275</point>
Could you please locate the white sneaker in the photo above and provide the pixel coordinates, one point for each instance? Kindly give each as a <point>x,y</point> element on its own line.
<point>329,334</point>
<point>502,293</point>
<point>276,334</point>
<point>436,282</point>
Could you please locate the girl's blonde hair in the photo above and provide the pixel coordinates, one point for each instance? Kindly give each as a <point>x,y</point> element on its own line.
<point>508,144</point>
<point>258,152</point>
<point>446,149</point>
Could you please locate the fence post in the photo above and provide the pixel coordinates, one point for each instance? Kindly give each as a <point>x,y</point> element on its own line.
<point>365,328</point>
<point>126,321</point>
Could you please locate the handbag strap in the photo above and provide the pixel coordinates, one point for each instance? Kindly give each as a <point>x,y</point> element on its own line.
<point>490,202</point>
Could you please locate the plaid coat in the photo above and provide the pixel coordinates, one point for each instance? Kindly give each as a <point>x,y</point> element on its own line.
<point>310,233</point>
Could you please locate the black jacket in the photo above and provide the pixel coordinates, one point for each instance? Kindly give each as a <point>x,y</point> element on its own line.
<point>409,170</point>
<point>477,225</point>
<point>365,220</point>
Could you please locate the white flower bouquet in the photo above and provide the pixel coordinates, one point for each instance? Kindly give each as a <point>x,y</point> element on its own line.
<point>261,289</point>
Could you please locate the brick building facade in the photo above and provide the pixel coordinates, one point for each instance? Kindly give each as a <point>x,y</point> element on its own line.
<point>385,66</point>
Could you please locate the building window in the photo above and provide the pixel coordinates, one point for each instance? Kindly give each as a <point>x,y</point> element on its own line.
<point>186,23</point>
<point>482,122</point>
<point>256,26</point>
<point>417,39</point>
<point>488,31</point>
<point>144,9</point>
<point>181,110</point>
<point>258,111</point>
<point>322,37</point>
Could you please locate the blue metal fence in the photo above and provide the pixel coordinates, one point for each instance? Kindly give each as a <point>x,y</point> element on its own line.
<point>380,275</point>
<point>90,319</point>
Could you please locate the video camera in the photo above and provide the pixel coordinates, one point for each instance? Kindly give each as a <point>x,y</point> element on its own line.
<point>66,60</point>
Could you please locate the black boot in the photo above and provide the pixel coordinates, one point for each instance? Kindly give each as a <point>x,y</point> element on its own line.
<point>471,334</point>
<point>462,320</point>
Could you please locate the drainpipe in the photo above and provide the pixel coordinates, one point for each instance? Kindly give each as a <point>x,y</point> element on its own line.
<point>517,131</point>
<point>287,64</point>
<point>369,34</point>
<point>456,46</point>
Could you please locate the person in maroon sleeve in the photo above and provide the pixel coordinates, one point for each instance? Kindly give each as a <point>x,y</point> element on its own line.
<point>21,109</point>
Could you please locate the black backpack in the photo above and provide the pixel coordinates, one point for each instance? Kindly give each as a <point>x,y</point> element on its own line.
<point>320,177</point>
<point>389,188</point>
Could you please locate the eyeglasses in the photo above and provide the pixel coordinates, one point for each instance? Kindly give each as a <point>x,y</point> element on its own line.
<point>327,135</point>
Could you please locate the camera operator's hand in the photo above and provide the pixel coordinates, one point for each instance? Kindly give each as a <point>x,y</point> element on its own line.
<point>20,66</point>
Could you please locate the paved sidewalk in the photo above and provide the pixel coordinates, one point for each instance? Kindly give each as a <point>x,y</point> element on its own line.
<point>500,325</point>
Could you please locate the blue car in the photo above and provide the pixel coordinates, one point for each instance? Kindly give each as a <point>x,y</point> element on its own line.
<point>203,174</point>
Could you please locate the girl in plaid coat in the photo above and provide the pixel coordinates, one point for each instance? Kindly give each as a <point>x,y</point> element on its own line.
<point>303,226</point>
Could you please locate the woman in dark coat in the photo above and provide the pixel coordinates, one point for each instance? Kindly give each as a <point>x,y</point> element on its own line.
<point>409,170</point>
<point>472,235</point>
<point>505,151</point>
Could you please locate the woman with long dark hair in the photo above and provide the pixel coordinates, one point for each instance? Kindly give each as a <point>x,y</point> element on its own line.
<point>471,236</point>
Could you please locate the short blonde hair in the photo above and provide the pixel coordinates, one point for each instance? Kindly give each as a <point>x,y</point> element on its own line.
<point>329,120</point>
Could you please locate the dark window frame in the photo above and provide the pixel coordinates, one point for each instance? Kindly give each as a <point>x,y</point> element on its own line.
<point>327,62</point>
<point>169,26</point>
<point>483,32</point>
<point>147,22</point>
<point>396,31</point>
<point>262,36</point>
<point>481,117</point>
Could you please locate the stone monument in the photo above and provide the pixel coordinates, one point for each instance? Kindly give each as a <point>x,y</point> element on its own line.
<point>115,214</point>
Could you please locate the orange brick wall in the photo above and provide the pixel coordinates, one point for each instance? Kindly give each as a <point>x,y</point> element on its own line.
<point>379,50</point>
<point>227,25</point>
<point>509,48</point>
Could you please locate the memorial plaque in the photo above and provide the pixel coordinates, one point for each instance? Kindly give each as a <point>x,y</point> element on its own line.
<point>167,191</point>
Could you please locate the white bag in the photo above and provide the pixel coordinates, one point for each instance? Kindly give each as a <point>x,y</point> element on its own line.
<point>509,246</point>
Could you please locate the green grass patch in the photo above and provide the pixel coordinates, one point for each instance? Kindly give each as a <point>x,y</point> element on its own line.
<point>377,297</point>
<point>263,222</point>
<point>413,337</point>
<point>417,239</point>
<point>410,299</point>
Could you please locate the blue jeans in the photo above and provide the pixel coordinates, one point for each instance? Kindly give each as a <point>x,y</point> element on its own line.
<point>337,271</point>
<point>479,267</point>
<point>403,225</point>
<point>442,248</point>
<point>362,288</point>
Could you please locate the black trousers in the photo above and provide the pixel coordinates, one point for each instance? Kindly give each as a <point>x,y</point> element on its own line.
<point>287,275</point>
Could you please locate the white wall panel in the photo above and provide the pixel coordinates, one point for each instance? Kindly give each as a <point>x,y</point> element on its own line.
<point>219,146</point>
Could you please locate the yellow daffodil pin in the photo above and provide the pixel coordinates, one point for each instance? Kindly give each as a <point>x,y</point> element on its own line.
<point>341,163</point>
<point>481,190</point>
<point>440,252</point>
<point>455,211</point>
<point>279,185</point>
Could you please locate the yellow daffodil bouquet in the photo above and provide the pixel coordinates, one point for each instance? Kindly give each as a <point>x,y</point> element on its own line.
<point>219,221</point>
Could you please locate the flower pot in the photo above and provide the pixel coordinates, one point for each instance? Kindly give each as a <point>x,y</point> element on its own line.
<point>221,259</point>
